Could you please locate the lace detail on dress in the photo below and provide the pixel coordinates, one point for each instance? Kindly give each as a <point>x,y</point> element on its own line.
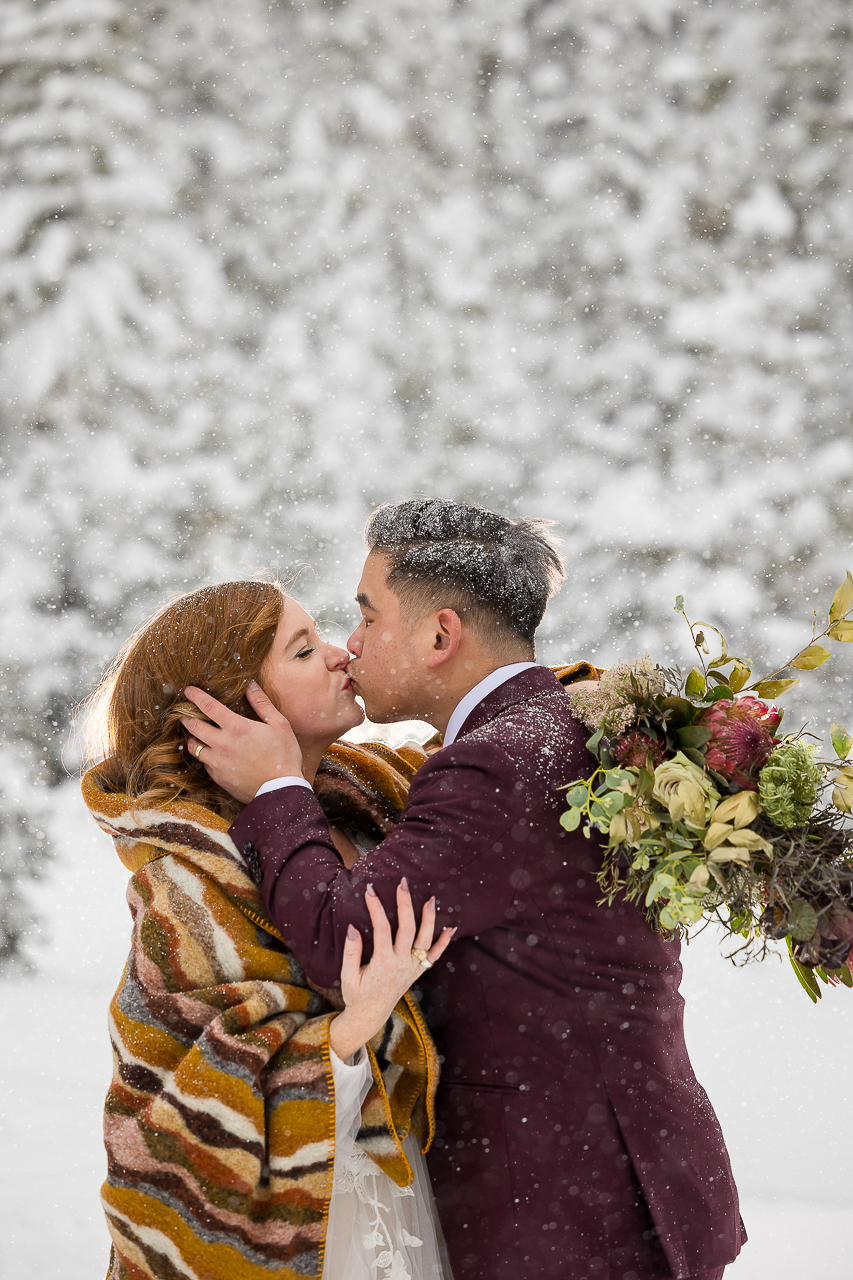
<point>356,1174</point>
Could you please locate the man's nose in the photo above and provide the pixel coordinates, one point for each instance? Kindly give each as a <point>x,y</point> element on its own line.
<point>354,642</point>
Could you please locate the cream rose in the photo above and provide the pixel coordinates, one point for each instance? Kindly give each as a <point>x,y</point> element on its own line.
<point>687,792</point>
<point>629,824</point>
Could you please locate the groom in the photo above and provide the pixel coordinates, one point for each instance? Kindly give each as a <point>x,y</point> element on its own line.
<point>574,1142</point>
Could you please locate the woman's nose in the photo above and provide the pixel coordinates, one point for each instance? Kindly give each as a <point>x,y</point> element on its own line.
<point>337,658</point>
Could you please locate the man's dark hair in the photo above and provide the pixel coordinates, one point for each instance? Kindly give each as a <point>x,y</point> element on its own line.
<point>497,574</point>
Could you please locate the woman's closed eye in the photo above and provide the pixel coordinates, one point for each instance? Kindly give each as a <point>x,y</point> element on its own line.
<point>305,653</point>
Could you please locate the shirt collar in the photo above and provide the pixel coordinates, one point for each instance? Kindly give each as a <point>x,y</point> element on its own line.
<point>475,696</point>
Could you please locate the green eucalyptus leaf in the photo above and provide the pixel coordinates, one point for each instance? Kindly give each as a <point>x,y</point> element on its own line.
<point>680,711</point>
<point>806,978</point>
<point>571,819</point>
<point>694,735</point>
<point>694,686</point>
<point>577,797</point>
<point>739,676</point>
<point>668,918</point>
<point>813,656</point>
<point>723,660</point>
<point>722,691</point>
<point>615,777</point>
<point>841,741</point>
<point>645,782</point>
<point>773,688</point>
<point>662,883</point>
<point>842,599</point>
<point>802,918</point>
<point>592,743</point>
<point>682,838</point>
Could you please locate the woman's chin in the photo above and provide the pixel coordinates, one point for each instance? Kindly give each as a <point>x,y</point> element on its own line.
<point>349,718</point>
<point>358,717</point>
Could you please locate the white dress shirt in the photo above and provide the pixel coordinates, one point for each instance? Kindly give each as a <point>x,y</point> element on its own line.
<point>460,714</point>
<point>475,696</point>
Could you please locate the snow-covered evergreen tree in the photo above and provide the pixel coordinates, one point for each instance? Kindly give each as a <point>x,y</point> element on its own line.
<point>263,266</point>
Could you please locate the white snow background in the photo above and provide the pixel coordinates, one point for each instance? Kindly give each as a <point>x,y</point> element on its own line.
<point>776,1068</point>
<point>265,266</point>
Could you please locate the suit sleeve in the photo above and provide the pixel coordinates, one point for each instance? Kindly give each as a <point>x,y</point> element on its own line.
<point>461,838</point>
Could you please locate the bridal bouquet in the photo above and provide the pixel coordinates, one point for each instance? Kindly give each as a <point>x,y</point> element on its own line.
<point>711,812</point>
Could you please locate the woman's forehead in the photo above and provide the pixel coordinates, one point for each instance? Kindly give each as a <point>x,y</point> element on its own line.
<point>293,616</point>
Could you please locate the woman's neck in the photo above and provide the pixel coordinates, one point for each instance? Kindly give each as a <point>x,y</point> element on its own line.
<point>312,754</point>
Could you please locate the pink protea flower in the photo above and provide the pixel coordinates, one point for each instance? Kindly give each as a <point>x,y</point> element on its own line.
<point>741,738</point>
<point>634,749</point>
<point>770,717</point>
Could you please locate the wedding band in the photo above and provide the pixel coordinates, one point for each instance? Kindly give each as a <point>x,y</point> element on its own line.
<point>421,956</point>
<point>199,749</point>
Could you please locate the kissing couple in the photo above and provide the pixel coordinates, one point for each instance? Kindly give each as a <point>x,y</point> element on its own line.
<point>277,1084</point>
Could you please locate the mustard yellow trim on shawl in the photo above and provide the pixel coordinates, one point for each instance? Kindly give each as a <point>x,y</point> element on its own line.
<point>569,673</point>
<point>219,1124</point>
<point>433,1069</point>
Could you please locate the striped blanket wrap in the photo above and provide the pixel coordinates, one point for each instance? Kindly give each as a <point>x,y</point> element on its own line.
<point>220,1118</point>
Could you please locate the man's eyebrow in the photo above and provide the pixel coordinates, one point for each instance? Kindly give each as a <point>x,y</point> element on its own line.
<point>364,601</point>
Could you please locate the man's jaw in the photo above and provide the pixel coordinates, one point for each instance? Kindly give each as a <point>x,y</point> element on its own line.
<point>380,714</point>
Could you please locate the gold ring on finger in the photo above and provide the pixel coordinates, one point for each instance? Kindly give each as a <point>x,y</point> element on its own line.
<point>421,956</point>
<point>199,749</point>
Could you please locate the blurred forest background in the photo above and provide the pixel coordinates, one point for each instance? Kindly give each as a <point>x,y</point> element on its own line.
<point>266,264</point>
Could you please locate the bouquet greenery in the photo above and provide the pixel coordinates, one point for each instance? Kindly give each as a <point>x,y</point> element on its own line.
<point>710,813</point>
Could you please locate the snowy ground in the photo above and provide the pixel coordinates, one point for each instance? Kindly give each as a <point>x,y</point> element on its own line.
<point>779,1086</point>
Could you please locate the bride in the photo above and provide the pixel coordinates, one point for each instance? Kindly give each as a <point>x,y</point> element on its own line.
<point>255,1124</point>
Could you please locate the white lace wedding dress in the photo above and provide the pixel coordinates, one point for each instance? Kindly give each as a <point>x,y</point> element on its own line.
<point>377,1230</point>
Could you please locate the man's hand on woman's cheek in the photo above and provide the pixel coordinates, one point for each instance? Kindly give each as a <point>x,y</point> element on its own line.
<point>239,754</point>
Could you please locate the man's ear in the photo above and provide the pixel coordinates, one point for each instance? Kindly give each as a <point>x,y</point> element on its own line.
<point>447,636</point>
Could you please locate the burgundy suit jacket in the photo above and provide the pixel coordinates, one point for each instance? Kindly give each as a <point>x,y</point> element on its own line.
<point>574,1139</point>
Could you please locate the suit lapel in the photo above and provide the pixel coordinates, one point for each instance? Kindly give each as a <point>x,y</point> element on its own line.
<point>528,684</point>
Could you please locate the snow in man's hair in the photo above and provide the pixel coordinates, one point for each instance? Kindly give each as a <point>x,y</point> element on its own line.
<point>497,574</point>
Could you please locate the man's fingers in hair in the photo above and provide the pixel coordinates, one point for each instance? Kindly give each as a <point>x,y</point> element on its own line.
<point>264,705</point>
<point>210,706</point>
<point>201,731</point>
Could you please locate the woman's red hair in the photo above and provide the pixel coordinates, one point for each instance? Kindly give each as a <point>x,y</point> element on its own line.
<point>216,638</point>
